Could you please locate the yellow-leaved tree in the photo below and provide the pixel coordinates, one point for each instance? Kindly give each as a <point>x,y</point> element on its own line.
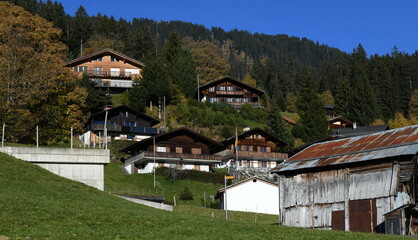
<point>35,87</point>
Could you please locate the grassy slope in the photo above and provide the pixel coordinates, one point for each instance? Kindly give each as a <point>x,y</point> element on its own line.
<point>143,184</point>
<point>37,204</point>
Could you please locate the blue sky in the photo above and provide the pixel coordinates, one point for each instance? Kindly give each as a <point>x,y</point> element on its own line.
<point>377,24</point>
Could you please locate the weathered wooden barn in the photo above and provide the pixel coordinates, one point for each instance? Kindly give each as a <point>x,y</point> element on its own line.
<point>349,184</point>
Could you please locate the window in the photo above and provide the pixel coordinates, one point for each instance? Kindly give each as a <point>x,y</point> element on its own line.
<point>248,163</point>
<point>161,149</point>
<point>98,59</point>
<point>264,164</point>
<point>212,89</point>
<point>196,151</point>
<point>98,122</point>
<point>80,69</point>
<point>124,114</point>
<point>212,100</point>
<point>229,100</point>
<point>112,123</point>
<point>263,149</point>
<point>179,150</point>
<point>240,163</point>
<point>221,88</point>
<point>245,100</point>
<point>238,99</point>
<point>113,59</point>
<point>131,137</point>
<point>115,72</point>
<point>129,72</point>
<point>130,123</point>
<point>230,88</point>
<point>97,70</point>
<point>247,148</point>
<point>238,148</point>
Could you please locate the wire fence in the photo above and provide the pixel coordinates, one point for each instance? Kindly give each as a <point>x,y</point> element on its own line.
<point>135,191</point>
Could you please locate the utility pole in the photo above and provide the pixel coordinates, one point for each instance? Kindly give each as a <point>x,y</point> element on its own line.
<point>154,158</point>
<point>2,135</point>
<point>198,92</point>
<point>71,137</point>
<point>225,200</point>
<point>37,136</point>
<point>164,110</point>
<point>105,129</point>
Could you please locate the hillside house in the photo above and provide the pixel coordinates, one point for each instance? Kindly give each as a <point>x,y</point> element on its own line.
<point>349,184</point>
<point>182,148</point>
<point>111,70</point>
<point>257,150</point>
<point>231,91</point>
<point>123,123</point>
<point>250,195</point>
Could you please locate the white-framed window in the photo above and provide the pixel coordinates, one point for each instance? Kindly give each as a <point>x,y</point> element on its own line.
<point>161,149</point>
<point>80,69</point>
<point>98,59</point>
<point>221,88</point>
<point>212,89</point>
<point>115,72</point>
<point>229,99</point>
<point>97,70</point>
<point>245,100</point>
<point>230,88</point>
<point>238,100</point>
<point>212,100</point>
<point>124,114</point>
<point>129,72</point>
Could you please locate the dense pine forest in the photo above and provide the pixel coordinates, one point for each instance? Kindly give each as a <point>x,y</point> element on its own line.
<point>297,74</point>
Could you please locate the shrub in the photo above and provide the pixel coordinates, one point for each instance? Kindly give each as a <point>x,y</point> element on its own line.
<point>186,194</point>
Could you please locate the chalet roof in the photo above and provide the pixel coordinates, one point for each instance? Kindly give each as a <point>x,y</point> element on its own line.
<point>250,132</point>
<point>289,120</point>
<point>339,118</point>
<point>144,116</point>
<point>104,52</point>
<point>213,145</point>
<point>222,190</point>
<point>233,81</point>
<point>358,131</point>
<point>392,143</point>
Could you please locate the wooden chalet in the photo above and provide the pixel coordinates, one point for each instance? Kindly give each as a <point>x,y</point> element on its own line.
<point>350,184</point>
<point>110,69</point>
<point>230,91</point>
<point>123,123</point>
<point>181,148</point>
<point>257,149</point>
<point>339,122</point>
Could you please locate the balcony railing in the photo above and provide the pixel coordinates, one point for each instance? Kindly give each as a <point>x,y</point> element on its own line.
<point>253,155</point>
<point>183,156</point>
<point>241,93</point>
<point>113,83</point>
<point>110,74</point>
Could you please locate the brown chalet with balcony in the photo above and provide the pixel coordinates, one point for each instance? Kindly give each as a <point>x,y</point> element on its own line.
<point>123,123</point>
<point>230,91</point>
<point>111,70</point>
<point>181,148</point>
<point>256,149</point>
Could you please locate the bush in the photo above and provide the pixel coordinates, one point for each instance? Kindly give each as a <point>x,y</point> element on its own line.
<point>209,177</point>
<point>186,194</point>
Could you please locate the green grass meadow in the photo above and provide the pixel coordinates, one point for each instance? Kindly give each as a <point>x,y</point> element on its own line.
<point>36,204</point>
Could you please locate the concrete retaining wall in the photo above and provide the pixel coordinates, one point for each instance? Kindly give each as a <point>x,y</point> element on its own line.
<point>82,165</point>
<point>148,203</point>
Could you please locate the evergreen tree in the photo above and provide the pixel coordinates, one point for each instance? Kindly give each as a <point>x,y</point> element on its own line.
<point>141,44</point>
<point>277,127</point>
<point>313,124</point>
<point>343,98</point>
<point>289,76</point>
<point>96,98</point>
<point>81,30</point>
<point>184,73</point>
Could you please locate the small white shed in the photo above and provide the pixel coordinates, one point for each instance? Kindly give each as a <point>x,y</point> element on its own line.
<point>251,195</point>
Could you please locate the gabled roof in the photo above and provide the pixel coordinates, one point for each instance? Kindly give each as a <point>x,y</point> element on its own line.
<point>392,143</point>
<point>144,116</point>
<point>233,81</point>
<point>253,131</point>
<point>339,118</point>
<point>358,131</point>
<point>222,190</point>
<point>104,52</point>
<point>213,145</point>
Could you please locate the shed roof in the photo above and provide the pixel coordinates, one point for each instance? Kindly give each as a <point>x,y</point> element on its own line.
<point>392,143</point>
<point>221,190</point>
<point>104,52</point>
<point>233,81</point>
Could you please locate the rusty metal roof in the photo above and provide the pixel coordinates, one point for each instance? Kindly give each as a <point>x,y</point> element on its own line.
<point>396,142</point>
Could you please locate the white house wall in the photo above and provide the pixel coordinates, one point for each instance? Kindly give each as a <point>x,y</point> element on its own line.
<point>260,197</point>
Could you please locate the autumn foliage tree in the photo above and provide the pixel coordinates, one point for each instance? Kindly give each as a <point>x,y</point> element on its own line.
<point>35,88</point>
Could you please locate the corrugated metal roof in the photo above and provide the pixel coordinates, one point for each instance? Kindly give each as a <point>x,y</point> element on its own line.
<point>396,142</point>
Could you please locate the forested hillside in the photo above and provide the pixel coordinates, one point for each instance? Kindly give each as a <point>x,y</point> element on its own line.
<point>365,89</point>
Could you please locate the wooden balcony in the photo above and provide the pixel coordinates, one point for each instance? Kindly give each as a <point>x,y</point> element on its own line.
<point>174,157</point>
<point>110,74</point>
<point>226,154</point>
<point>236,93</point>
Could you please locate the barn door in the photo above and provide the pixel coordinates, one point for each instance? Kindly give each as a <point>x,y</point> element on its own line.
<point>338,220</point>
<point>363,215</point>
